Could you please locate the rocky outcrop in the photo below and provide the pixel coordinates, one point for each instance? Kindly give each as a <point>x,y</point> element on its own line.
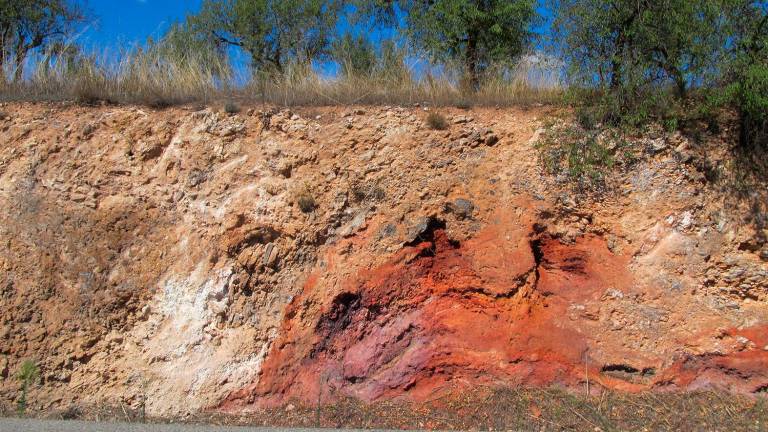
<point>182,260</point>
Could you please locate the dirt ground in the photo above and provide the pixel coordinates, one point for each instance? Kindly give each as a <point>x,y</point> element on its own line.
<point>490,409</point>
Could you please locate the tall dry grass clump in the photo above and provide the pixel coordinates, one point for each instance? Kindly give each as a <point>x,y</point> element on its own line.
<point>158,77</point>
<point>143,76</point>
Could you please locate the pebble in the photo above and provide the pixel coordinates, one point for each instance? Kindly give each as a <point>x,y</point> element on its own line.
<point>658,145</point>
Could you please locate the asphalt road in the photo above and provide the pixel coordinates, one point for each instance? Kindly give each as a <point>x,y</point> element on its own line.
<point>24,425</point>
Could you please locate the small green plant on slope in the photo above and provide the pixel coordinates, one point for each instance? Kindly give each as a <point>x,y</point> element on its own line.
<point>28,374</point>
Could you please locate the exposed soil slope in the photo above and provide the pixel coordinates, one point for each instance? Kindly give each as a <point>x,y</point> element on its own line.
<point>182,260</point>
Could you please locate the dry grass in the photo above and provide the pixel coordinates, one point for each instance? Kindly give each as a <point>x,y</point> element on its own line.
<point>150,77</point>
<point>136,76</point>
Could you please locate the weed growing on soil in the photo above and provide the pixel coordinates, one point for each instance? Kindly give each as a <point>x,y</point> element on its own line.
<point>437,121</point>
<point>231,108</point>
<point>305,200</point>
<point>525,409</point>
<point>583,154</point>
<point>27,375</point>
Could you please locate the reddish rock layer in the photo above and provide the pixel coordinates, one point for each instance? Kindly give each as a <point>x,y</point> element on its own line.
<point>442,317</point>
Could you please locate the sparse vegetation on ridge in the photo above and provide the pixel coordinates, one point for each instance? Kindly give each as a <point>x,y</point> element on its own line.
<point>304,199</point>
<point>629,63</point>
<point>190,63</point>
<point>147,77</point>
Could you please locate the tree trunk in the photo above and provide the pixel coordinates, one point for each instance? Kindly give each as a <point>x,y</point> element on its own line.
<point>3,54</point>
<point>472,63</point>
<point>748,129</point>
<point>20,56</point>
<point>682,86</point>
<point>615,74</point>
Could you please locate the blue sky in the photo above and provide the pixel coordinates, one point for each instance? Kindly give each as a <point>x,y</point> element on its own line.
<point>116,23</point>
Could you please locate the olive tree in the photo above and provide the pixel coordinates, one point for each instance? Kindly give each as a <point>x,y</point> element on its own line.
<point>181,46</point>
<point>475,33</point>
<point>356,55</point>
<point>626,44</point>
<point>272,32</point>
<point>33,24</point>
<point>748,72</point>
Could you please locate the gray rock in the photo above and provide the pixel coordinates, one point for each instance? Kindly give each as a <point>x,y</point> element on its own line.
<point>367,156</point>
<point>419,228</point>
<point>354,225</point>
<point>475,138</point>
<point>462,208</point>
<point>389,230</point>
<point>270,255</point>
<point>195,178</point>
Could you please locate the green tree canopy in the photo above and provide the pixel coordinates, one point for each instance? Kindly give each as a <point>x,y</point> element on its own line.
<point>182,46</point>
<point>272,32</point>
<point>356,55</point>
<point>632,48</point>
<point>748,73</point>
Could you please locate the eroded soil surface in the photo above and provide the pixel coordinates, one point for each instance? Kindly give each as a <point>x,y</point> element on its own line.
<point>187,260</point>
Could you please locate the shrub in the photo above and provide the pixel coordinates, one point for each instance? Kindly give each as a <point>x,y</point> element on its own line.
<point>581,157</point>
<point>231,108</point>
<point>305,200</point>
<point>463,104</point>
<point>587,118</point>
<point>367,192</point>
<point>437,121</point>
